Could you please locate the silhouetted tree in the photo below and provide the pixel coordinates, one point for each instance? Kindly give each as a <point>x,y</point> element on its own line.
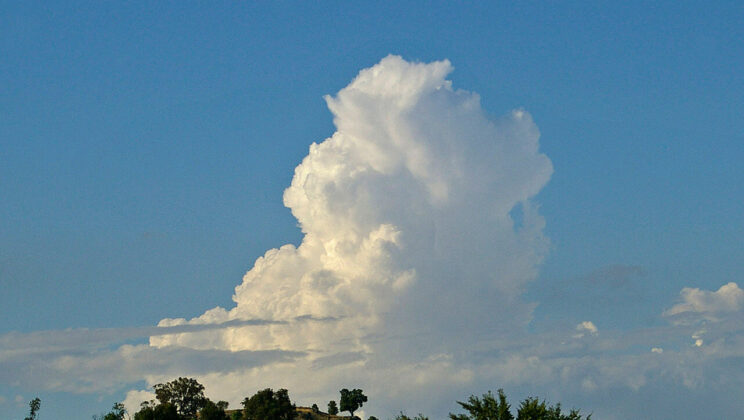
<point>352,400</point>
<point>534,409</point>
<point>315,408</point>
<point>34,406</point>
<point>186,394</point>
<point>488,408</point>
<point>268,405</point>
<point>212,411</point>
<point>332,408</point>
<point>151,411</point>
<point>117,413</point>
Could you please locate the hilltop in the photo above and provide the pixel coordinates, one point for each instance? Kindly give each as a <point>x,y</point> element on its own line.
<point>301,413</point>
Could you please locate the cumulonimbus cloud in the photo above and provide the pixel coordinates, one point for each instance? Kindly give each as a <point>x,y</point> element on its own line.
<point>406,212</point>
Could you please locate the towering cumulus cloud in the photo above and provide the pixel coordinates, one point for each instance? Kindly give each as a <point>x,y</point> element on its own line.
<point>418,229</point>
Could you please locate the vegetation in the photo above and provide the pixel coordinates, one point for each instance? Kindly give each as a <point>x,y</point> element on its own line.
<point>352,400</point>
<point>117,413</point>
<point>186,394</point>
<point>151,411</point>
<point>332,408</point>
<point>402,416</point>
<point>183,399</point>
<point>212,411</point>
<point>269,405</point>
<point>489,408</point>
<point>34,406</point>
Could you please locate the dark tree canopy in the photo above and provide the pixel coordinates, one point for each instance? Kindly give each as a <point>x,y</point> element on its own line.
<point>332,408</point>
<point>268,405</point>
<point>489,408</point>
<point>212,411</point>
<point>34,406</point>
<point>352,400</point>
<point>183,398</point>
<point>152,411</point>
<point>186,394</point>
<point>534,409</point>
<point>118,412</point>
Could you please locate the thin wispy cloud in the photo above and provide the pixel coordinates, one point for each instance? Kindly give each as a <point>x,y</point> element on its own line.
<point>53,341</point>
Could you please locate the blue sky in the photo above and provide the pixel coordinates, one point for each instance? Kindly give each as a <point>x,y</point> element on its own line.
<point>144,151</point>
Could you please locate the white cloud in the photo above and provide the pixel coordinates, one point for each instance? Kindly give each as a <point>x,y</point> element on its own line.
<point>586,327</point>
<point>409,243</point>
<point>709,305</point>
<point>133,400</point>
<point>406,216</point>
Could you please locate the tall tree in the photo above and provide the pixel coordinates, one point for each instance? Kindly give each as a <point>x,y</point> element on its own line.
<point>534,409</point>
<point>487,408</point>
<point>34,406</point>
<point>490,408</point>
<point>352,400</point>
<point>332,408</point>
<point>117,413</point>
<point>186,394</point>
<point>269,405</point>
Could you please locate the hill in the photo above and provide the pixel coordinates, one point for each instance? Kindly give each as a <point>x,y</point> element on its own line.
<point>304,413</point>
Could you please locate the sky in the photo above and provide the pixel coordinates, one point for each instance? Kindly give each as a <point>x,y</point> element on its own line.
<point>425,200</point>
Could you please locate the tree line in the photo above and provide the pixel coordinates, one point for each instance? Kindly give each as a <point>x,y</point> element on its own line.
<point>183,399</point>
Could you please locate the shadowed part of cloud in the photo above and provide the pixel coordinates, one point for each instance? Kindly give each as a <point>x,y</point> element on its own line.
<point>708,305</point>
<point>108,370</point>
<point>337,359</point>
<point>56,341</point>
